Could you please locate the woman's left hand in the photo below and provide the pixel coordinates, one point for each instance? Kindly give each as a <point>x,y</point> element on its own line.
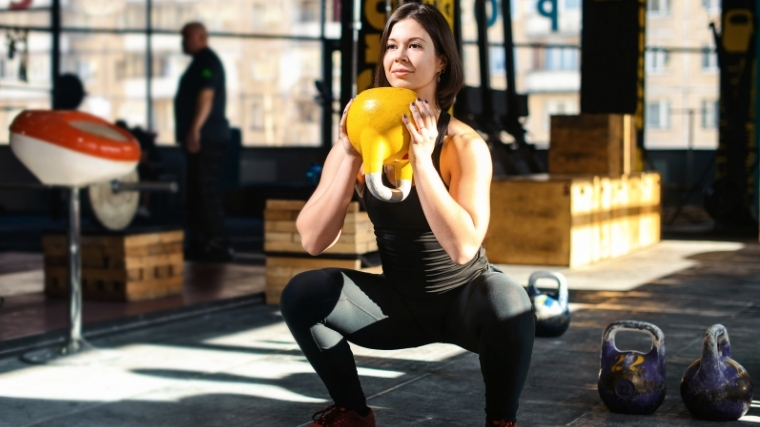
<point>424,130</point>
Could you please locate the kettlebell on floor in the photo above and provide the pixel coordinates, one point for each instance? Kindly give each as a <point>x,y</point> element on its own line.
<point>716,387</point>
<point>632,382</point>
<point>550,309</point>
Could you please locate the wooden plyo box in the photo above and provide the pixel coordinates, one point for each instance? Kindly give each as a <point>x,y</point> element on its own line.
<point>541,220</point>
<point>571,220</point>
<point>129,267</point>
<point>592,144</point>
<point>280,234</point>
<point>286,257</point>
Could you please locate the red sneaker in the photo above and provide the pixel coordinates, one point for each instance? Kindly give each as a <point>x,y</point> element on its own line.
<point>335,416</point>
<point>501,423</point>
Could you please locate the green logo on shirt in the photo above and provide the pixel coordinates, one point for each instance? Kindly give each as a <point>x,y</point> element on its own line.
<point>206,73</point>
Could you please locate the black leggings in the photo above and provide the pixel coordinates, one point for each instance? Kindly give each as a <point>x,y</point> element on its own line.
<point>490,316</point>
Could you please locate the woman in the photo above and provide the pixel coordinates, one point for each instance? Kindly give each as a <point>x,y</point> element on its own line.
<point>437,285</point>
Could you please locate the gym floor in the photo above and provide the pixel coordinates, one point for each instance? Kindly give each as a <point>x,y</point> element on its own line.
<point>238,365</point>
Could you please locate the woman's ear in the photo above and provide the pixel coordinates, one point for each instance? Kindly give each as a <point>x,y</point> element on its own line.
<point>443,62</point>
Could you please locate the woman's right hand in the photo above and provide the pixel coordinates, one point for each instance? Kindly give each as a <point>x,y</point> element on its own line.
<point>344,141</point>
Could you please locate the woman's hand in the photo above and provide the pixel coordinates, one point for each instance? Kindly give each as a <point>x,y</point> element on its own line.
<point>424,130</point>
<point>343,137</point>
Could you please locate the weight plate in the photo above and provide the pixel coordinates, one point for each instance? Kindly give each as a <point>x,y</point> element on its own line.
<point>114,211</point>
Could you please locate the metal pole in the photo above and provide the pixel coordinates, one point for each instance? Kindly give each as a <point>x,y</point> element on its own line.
<point>149,61</point>
<point>75,275</point>
<point>690,149</point>
<point>55,54</point>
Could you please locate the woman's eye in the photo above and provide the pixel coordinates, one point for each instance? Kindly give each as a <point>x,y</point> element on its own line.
<point>414,45</point>
<point>390,46</point>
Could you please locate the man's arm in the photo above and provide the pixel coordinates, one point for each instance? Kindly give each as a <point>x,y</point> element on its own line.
<point>202,111</point>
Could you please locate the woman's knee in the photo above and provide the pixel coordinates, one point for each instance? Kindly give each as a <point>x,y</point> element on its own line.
<point>502,296</point>
<point>305,290</point>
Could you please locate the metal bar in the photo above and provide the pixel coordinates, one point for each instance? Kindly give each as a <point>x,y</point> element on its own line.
<point>29,9</point>
<point>166,187</point>
<point>27,186</point>
<point>155,31</point>
<point>55,54</point>
<point>149,62</point>
<point>575,46</point>
<point>347,70</point>
<point>75,275</point>
<point>486,97</point>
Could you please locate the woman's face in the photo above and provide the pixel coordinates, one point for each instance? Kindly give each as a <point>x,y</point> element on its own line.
<point>410,59</point>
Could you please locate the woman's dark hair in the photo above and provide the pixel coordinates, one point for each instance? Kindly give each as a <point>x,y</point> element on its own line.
<point>435,24</point>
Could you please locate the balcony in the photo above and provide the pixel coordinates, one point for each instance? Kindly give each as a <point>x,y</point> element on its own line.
<point>553,81</point>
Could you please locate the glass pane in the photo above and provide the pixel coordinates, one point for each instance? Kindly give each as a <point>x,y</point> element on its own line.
<point>113,78</point>
<point>24,79</point>
<point>270,88</point>
<point>332,19</point>
<point>297,17</point>
<point>119,14</point>
<point>37,15</point>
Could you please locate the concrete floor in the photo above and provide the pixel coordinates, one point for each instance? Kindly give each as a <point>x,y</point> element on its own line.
<point>241,367</point>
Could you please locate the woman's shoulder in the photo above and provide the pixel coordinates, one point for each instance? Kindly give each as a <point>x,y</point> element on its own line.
<point>461,136</point>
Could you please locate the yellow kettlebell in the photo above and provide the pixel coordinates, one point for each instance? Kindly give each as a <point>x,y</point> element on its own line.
<point>377,133</point>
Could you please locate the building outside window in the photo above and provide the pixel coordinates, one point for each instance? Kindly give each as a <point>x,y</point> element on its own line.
<point>711,6</point>
<point>658,114</point>
<point>710,113</point>
<point>561,58</point>
<point>656,60</point>
<point>658,7</point>
<point>709,59</point>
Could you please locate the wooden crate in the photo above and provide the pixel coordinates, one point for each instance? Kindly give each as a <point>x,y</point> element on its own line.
<point>286,257</point>
<point>280,234</point>
<point>541,220</point>
<point>650,217</point>
<point>123,267</point>
<point>571,220</point>
<point>593,144</point>
<point>601,244</point>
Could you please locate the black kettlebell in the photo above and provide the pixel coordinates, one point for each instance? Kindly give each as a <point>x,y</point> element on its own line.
<point>550,309</point>
<point>632,382</point>
<point>716,387</point>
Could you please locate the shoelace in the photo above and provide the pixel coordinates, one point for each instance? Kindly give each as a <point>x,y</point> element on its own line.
<point>322,416</point>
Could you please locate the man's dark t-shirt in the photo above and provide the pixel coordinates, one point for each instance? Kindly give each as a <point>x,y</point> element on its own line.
<point>205,71</point>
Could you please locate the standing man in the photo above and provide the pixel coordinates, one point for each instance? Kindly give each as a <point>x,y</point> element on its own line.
<point>202,129</point>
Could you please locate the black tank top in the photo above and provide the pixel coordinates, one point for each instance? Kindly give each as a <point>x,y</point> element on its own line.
<point>410,253</point>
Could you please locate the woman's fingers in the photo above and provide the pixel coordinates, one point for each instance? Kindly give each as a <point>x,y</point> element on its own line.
<point>424,118</point>
<point>345,115</point>
<point>411,127</point>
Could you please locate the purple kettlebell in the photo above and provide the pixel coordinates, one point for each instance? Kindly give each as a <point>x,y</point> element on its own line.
<point>632,382</point>
<point>716,387</point>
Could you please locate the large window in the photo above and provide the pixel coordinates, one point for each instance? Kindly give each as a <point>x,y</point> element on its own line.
<point>130,65</point>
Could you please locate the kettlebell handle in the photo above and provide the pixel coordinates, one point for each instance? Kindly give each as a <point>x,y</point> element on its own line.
<point>562,291</point>
<point>379,190</point>
<point>658,338</point>
<point>716,343</point>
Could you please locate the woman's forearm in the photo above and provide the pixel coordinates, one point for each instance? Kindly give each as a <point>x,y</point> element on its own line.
<point>321,219</point>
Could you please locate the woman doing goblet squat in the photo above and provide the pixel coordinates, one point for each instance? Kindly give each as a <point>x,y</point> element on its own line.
<point>437,284</point>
